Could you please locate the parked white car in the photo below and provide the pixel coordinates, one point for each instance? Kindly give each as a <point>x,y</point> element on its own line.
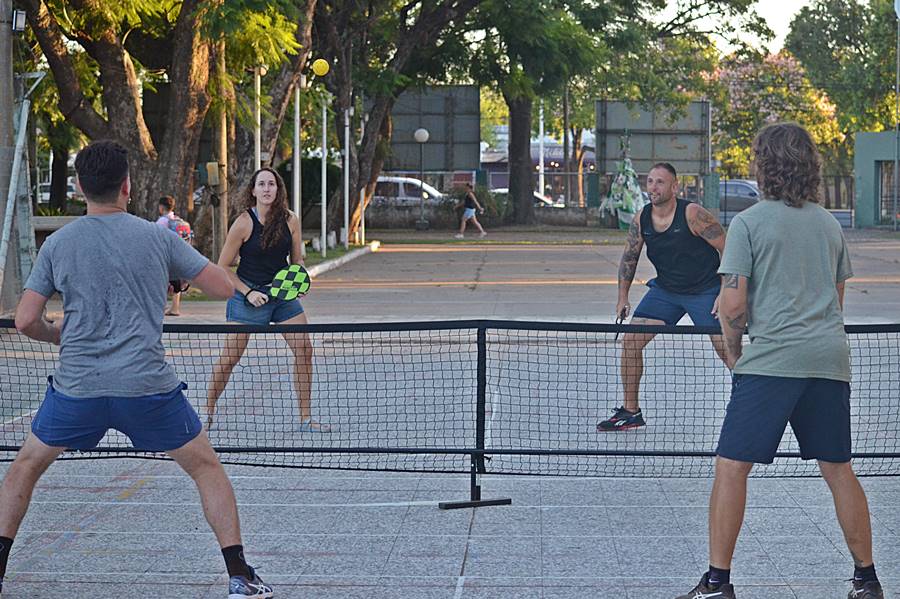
<point>404,191</point>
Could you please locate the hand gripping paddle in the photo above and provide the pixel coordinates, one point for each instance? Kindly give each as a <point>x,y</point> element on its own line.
<point>290,282</point>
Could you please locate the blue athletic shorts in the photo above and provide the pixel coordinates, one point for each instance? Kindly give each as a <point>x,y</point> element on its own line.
<point>669,307</point>
<point>153,422</point>
<point>761,407</point>
<point>275,310</point>
<point>469,213</point>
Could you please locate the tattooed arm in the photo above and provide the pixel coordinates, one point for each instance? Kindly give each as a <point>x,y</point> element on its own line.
<point>704,225</point>
<point>628,264</point>
<point>733,314</point>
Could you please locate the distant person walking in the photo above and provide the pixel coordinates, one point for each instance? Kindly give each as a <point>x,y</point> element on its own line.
<point>169,220</point>
<point>470,205</point>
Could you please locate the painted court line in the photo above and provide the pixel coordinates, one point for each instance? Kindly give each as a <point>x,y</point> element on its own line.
<point>460,585</point>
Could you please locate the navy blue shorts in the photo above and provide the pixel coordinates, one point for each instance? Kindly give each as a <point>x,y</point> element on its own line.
<point>159,422</point>
<point>669,307</point>
<point>761,407</point>
<point>275,310</point>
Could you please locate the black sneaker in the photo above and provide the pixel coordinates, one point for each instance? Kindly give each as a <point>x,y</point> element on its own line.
<point>866,590</point>
<point>622,420</point>
<point>241,587</point>
<point>702,591</point>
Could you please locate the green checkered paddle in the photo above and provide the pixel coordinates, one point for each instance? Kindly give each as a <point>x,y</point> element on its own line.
<point>290,282</point>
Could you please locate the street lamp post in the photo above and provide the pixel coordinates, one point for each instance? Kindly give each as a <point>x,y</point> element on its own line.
<point>896,122</point>
<point>421,136</point>
<point>257,125</point>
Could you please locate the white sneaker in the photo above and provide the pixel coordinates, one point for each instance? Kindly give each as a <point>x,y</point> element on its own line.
<point>459,236</point>
<point>483,234</point>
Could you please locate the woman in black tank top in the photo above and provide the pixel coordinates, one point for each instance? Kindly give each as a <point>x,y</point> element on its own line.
<point>267,238</point>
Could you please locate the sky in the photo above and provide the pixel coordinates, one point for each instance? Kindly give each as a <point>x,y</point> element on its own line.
<point>779,14</point>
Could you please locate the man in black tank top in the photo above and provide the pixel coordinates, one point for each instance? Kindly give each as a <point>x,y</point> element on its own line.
<point>684,242</point>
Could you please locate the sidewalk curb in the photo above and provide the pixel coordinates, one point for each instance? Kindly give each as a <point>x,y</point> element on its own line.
<point>324,267</point>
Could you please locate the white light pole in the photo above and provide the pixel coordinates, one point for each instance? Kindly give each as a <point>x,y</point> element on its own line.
<point>541,150</point>
<point>362,190</point>
<point>421,136</point>
<point>896,122</point>
<point>257,124</point>
<point>295,162</point>
<point>348,112</point>
<point>324,186</point>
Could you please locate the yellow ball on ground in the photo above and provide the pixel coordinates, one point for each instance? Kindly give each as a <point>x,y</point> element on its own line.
<point>320,67</point>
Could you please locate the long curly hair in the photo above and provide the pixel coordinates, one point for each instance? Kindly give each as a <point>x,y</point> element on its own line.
<point>788,164</point>
<point>278,213</point>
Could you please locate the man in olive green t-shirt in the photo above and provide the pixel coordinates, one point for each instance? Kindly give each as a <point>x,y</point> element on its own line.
<point>783,274</point>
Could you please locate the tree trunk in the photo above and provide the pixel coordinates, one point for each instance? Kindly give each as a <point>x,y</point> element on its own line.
<point>521,170</point>
<point>59,178</point>
<point>122,118</point>
<point>578,153</point>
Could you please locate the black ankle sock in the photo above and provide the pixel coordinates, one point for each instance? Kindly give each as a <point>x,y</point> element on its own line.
<point>866,574</point>
<point>234,561</point>
<point>716,577</point>
<point>5,544</point>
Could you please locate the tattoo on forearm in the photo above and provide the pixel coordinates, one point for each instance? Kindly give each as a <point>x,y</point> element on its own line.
<point>738,323</point>
<point>628,265</point>
<point>733,333</point>
<point>731,281</point>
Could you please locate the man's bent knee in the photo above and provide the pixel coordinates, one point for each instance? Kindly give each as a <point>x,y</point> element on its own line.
<point>732,468</point>
<point>836,471</point>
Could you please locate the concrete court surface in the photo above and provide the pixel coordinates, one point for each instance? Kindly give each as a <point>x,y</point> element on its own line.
<point>129,528</point>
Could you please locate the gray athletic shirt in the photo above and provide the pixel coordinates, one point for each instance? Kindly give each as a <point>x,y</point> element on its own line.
<point>794,258</point>
<point>112,272</point>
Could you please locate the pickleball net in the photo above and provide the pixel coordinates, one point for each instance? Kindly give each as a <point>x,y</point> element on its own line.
<point>505,397</point>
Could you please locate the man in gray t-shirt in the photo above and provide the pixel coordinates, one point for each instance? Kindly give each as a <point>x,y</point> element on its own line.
<point>783,274</point>
<point>112,270</point>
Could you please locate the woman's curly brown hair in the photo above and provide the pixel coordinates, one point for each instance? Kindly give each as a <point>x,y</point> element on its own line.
<point>278,214</point>
<point>788,164</point>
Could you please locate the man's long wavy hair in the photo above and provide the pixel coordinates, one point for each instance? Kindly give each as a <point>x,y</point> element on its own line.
<point>788,164</point>
<point>278,214</point>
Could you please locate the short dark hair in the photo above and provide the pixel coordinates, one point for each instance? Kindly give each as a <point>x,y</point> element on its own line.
<point>665,165</point>
<point>102,166</point>
<point>167,202</point>
<point>788,164</point>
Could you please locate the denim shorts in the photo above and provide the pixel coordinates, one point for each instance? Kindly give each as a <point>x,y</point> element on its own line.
<point>669,307</point>
<point>468,213</point>
<point>762,406</point>
<point>160,422</point>
<point>275,310</point>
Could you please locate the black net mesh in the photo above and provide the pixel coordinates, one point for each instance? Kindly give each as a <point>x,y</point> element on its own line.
<point>424,396</point>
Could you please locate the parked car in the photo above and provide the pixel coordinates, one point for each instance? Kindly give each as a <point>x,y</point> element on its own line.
<point>736,195</point>
<point>44,191</point>
<point>404,191</point>
<point>539,200</point>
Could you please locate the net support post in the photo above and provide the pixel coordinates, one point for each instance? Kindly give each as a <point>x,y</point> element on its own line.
<point>476,464</point>
<point>475,499</point>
